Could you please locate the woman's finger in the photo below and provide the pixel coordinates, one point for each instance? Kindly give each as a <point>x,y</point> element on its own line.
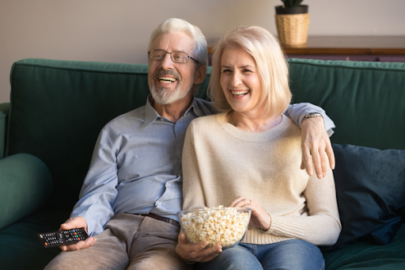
<point>236,201</point>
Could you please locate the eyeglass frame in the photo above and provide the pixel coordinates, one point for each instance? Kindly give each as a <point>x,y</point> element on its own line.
<point>166,52</point>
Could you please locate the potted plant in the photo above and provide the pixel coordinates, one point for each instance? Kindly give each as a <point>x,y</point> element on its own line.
<point>292,21</point>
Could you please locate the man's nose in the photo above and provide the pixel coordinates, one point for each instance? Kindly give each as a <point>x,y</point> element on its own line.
<point>167,62</point>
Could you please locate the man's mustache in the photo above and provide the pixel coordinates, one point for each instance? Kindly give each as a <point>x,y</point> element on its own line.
<point>162,72</point>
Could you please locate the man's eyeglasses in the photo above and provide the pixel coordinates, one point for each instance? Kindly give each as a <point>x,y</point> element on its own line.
<point>177,57</point>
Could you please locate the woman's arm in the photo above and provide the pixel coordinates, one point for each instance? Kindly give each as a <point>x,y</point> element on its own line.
<point>322,226</point>
<point>193,196</point>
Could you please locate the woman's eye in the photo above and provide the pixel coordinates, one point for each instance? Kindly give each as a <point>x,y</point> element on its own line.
<point>247,70</point>
<point>226,70</point>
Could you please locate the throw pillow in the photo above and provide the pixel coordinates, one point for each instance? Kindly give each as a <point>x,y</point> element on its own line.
<point>370,191</point>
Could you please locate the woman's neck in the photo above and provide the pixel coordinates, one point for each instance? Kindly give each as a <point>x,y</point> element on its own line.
<point>252,123</point>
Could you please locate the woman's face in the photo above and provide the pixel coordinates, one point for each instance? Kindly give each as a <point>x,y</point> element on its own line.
<point>240,80</point>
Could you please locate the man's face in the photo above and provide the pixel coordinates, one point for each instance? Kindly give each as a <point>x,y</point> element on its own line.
<point>169,81</point>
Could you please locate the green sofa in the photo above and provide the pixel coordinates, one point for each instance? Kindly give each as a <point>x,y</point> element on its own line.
<point>57,108</point>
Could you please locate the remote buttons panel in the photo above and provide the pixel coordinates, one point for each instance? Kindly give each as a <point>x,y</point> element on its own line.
<point>60,238</point>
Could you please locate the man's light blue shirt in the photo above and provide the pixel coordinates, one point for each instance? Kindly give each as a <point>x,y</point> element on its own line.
<point>136,164</point>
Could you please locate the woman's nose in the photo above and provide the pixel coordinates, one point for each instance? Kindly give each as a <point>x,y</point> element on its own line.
<point>236,80</point>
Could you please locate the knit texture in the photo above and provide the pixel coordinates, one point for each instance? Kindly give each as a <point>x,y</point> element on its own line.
<point>222,162</point>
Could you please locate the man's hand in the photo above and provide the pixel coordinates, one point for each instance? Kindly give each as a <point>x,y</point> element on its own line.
<point>77,222</point>
<point>316,147</point>
<point>196,252</point>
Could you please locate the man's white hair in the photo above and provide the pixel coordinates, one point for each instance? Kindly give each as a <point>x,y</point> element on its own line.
<point>178,25</point>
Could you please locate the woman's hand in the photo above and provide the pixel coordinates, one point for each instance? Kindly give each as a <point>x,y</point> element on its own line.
<point>258,218</point>
<point>190,252</point>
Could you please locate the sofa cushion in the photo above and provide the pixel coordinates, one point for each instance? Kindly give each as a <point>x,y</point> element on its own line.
<point>366,255</point>
<point>370,190</point>
<point>20,247</point>
<point>26,185</point>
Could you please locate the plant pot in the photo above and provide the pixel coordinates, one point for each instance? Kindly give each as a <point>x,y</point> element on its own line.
<point>281,10</point>
<point>292,25</point>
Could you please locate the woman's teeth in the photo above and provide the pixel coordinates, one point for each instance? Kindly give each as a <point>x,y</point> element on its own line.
<point>240,93</point>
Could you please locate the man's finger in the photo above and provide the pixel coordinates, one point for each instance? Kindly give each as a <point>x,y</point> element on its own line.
<point>324,161</point>
<point>308,160</point>
<point>331,155</point>
<point>80,245</point>
<point>316,159</point>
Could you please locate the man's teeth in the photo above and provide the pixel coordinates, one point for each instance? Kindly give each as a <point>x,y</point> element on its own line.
<point>167,79</point>
<point>239,93</point>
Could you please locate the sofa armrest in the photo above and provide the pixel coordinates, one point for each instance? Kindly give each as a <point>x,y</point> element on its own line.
<point>4,109</point>
<point>25,186</point>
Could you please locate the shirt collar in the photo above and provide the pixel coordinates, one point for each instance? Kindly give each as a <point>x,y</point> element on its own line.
<point>151,115</point>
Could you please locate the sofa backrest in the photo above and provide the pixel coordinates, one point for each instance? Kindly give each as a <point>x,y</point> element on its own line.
<point>366,100</point>
<point>59,107</point>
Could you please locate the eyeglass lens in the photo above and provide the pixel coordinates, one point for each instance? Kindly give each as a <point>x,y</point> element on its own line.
<point>178,57</point>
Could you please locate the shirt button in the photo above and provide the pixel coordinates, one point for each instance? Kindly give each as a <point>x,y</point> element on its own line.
<point>136,156</point>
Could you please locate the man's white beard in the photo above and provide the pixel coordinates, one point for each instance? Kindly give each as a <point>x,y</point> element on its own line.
<point>164,96</point>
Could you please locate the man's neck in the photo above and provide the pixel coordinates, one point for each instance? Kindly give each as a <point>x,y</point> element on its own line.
<point>173,111</point>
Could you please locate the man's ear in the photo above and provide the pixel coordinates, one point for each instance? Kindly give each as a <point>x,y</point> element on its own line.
<point>199,74</point>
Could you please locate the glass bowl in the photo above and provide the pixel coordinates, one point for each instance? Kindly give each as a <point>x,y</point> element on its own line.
<point>217,225</point>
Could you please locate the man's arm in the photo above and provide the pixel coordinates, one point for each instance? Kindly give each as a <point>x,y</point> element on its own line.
<point>315,133</point>
<point>298,111</point>
<point>98,193</point>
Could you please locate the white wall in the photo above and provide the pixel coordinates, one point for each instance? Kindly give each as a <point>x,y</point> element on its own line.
<point>118,31</point>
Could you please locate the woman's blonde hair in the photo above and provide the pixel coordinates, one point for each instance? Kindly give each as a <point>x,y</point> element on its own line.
<point>271,65</point>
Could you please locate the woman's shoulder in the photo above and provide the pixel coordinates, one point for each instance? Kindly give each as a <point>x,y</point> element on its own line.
<point>204,121</point>
<point>291,127</point>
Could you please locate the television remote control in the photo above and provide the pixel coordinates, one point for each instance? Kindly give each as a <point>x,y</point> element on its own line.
<point>62,238</point>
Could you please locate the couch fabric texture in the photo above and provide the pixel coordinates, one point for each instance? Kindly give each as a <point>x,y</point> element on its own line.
<point>59,107</point>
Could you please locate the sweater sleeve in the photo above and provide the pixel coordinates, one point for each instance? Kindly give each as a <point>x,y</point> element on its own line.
<point>322,224</point>
<point>193,196</point>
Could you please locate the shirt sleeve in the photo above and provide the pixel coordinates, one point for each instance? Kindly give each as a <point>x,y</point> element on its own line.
<point>321,225</point>
<point>99,191</point>
<point>298,111</point>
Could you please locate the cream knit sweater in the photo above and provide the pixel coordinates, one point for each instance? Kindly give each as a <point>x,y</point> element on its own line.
<point>222,162</point>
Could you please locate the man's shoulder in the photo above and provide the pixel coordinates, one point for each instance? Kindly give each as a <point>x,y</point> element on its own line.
<point>132,119</point>
<point>207,107</point>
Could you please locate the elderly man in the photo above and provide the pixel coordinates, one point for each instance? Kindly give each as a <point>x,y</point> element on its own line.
<point>133,189</point>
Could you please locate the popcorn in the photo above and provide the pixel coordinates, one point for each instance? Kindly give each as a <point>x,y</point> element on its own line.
<point>223,225</point>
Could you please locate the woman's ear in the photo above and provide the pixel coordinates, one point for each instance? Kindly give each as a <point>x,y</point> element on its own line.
<point>199,74</point>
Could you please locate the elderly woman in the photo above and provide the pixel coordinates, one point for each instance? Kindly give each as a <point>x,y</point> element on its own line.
<point>250,155</point>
